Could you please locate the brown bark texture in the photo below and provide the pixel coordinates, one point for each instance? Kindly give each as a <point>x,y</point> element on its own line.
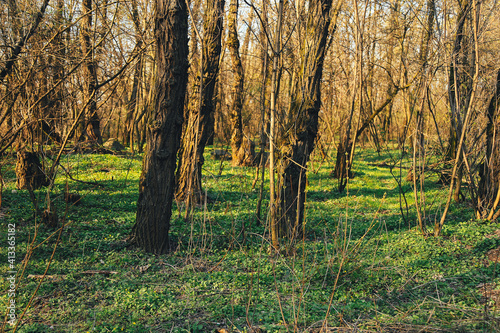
<point>29,171</point>
<point>490,174</point>
<point>297,141</point>
<point>240,155</point>
<point>460,86</point>
<point>196,132</point>
<point>91,127</point>
<point>130,119</point>
<point>157,182</point>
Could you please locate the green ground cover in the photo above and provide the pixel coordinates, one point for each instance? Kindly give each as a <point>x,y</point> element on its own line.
<point>362,266</point>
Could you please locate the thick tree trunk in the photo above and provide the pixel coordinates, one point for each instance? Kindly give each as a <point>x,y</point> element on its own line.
<point>29,171</point>
<point>489,184</point>
<point>157,183</point>
<point>302,122</point>
<point>196,135</point>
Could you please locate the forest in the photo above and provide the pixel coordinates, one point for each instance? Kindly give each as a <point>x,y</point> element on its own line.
<point>249,166</point>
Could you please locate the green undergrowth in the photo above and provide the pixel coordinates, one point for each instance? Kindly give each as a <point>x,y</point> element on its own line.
<point>362,265</point>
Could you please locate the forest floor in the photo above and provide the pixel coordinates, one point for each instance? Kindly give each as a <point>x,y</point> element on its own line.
<point>362,266</point>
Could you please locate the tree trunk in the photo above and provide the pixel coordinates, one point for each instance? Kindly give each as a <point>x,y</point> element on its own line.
<point>275,78</point>
<point>195,135</point>
<point>91,127</point>
<point>459,88</point>
<point>157,183</point>
<point>240,155</point>
<point>29,172</point>
<point>128,131</point>
<point>489,184</point>
<point>263,110</point>
<point>342,169</point>
<point>302,122</point>
<point>419,153</point>
<point>393,25</point>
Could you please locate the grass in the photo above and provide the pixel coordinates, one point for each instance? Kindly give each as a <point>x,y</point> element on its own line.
<point>361,262</point>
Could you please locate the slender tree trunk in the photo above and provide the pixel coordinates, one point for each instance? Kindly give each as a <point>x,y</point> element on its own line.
<point>157,183</point>
<point>263,122</point>
<point>419,153</point>
<point>196,135</point>
<point>467,99</point>
<point>273,209</point>
<point>57,97</point>
<point>342,169</point>
<point>240,155</point>
<point>393,25</point>
<point>459,89</point>
<point>91,127</point>
<point>132,102</point>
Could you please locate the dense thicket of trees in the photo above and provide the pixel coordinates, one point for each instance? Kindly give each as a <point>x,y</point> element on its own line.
<point>420,76</point>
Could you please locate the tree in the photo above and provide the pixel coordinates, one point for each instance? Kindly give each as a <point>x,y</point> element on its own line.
<point>91,123</point>
<point>460,86</point>
<point>157,183</point>
<point>462,91</point>
<point>241,151</point>
<point>196,132</point>
<point>297,141</point>
<point>489,185</point>
<point>419,153</point>
<point>130,120</point>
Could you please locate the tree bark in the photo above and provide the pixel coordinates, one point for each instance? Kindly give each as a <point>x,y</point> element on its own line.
<point>157,183</point>
<point>196,135</point>
<point>490,174</point>
<point>421,96</point>
<point>302,122</point>
<point>263,109</point>
<point>128,132</point>
<point>240,155</point>
<point>91,127</point>
<point>459,88</point>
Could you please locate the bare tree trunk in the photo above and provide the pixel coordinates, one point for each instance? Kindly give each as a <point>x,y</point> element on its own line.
<point>91,123</point>
<point>302,122</point>
<point>342,169</point>
<point>459,89</point>
<point>195,133</point>
<point>128,131</point>
<point>419,154</point>
<point>467,99</point>
<point>387,119</point>
<point>56,98</point>
<point>263,122</point>
<point>157,183</point>
<point>240,155</point>
<point>273,209</point>
<point>489,185</point>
